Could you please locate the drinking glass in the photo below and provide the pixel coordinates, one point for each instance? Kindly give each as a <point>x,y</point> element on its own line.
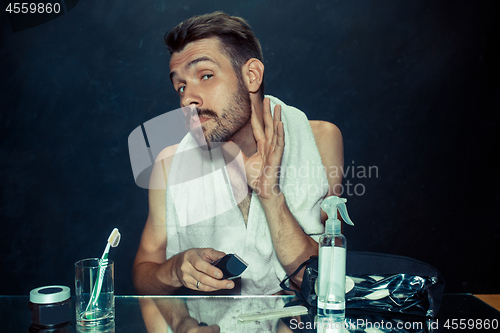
<point>98,312</point>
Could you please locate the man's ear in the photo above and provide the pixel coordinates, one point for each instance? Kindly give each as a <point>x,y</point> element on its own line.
<point>253,74</point>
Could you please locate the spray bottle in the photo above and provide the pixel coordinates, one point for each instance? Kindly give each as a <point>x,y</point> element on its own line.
<point>332,258</point>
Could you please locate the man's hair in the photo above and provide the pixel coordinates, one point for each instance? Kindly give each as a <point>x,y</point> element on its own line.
<point>238,42</point>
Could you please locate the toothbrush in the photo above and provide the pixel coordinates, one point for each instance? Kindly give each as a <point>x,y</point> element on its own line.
<point>296,310</point>
<point>113,241</point>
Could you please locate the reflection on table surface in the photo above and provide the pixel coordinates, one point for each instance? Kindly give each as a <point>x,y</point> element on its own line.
<point>142,314</point>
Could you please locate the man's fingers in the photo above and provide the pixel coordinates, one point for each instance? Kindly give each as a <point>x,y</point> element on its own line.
<point>197,284</point>
<point>191,325</point>
<point>268,120</point>
<point>206,268</point>
<point>280,142</point>
<point>203,262</point>
<point>211,255</point>
<point>202,271</point>
<point>277,116</point>
<point>258,131</point>
<point>209,329</point>
<point>208,283</point>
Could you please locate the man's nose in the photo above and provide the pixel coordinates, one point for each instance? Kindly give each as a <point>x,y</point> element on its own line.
<point>191,96</point>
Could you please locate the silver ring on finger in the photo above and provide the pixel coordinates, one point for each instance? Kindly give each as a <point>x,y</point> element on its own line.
<point>198,284</point>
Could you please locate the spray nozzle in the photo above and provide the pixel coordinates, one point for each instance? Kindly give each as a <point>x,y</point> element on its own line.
<point>330,206</point>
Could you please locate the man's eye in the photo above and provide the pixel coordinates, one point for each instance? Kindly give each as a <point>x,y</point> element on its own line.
<point>181,89</point>
<point>206,76</point>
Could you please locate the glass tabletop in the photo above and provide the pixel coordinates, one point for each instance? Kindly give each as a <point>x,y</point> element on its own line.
<point>142,314</point>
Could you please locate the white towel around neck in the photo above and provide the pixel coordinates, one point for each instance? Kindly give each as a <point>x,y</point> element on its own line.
<point>201,209</point>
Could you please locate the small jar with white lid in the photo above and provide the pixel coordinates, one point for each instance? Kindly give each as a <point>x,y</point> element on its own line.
<point>50,307</point>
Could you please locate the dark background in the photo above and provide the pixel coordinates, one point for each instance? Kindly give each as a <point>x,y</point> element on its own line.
<point>413,86</point>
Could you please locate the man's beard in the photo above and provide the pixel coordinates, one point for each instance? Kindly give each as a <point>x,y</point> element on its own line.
<point>230,121</point>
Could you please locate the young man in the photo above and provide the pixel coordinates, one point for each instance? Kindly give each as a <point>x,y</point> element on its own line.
<point>289,164</point>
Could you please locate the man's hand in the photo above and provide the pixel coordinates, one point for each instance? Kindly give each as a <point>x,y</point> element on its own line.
<point>158,313</point>
<point>195,265</point>
<point>190,325</point>
<point>262,168</point>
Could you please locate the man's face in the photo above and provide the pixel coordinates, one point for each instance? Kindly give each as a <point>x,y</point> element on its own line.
<point>205,80</point>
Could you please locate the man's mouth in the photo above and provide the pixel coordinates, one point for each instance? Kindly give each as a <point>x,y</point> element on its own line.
<point>198,117</point>
<point>197,120</point>
<point>203,119</point>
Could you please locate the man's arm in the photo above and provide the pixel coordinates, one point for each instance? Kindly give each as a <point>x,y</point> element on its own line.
<point>291,244</point>
<point>157,312</point>
<point>152,273</point>
<point>331,149</point>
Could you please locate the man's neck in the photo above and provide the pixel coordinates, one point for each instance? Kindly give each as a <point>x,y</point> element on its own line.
<point>245,140</point>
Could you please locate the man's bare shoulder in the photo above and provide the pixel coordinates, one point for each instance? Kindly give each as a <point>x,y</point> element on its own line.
<point>162,167</point>
<point>331,149</point>
<point>167,153</point>
<point>326,134</point>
